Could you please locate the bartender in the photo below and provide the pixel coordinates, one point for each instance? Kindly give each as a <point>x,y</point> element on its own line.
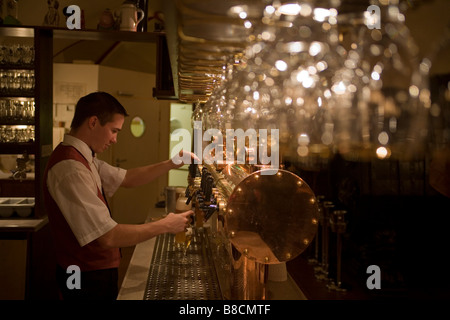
<point>76,184</point>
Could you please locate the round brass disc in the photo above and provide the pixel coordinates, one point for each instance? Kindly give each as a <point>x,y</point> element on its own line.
<point>271,218</point>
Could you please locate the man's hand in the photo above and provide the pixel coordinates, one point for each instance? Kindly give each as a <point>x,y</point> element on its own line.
<point>178,222</point>
<point>184,157</point>
<point>126,235</point>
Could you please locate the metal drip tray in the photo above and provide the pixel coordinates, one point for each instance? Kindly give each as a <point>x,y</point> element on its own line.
<point>172,278</point>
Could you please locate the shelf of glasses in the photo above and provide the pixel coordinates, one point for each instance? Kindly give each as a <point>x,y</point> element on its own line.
<point>17,111</point>
<point>17,133</point>
<point>17,54</point>
<point>16,82</point>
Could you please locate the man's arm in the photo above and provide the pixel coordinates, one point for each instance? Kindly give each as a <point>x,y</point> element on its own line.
<point>142,175</point>
<point>125,235</point>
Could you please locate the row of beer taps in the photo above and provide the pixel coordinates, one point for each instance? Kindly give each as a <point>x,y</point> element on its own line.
<point>203,194</point>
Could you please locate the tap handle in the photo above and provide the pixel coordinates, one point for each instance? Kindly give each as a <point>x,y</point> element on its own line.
<point>193,169</point>
<point>208,188</point>
<point>203,180</point>
<point>189,198</point>
<point>210,211</point>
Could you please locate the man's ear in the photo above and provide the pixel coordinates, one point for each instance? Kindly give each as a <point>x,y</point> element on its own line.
<point>92,122</point>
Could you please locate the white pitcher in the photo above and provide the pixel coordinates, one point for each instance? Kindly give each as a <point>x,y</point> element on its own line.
<point>130,16</point>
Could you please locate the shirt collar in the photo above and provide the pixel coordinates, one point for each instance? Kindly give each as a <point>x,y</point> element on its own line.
<point>80,145</point>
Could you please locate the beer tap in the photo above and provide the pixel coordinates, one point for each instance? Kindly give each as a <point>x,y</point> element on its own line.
<point>202,197</point>
<point>193,170</point>
<point>210,210</point>
<point>208,189</point>
<point>338,226</point>
<point>190,194</point>
<point>191,189</point>
<point>204,175</point>
<point>209,204</point>
<point>315,260</point>
<point>323,271</point>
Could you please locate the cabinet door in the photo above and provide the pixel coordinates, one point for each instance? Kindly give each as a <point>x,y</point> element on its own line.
<point>13,269</point>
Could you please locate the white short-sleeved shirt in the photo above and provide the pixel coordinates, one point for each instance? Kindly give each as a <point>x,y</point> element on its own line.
<point>74,189</point>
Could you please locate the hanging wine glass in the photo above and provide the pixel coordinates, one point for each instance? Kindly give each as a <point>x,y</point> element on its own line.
<point>382,96</point>
<point>219,114</point>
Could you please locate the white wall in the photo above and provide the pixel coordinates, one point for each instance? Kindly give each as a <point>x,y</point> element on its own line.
<point>180,118</point>
<point>70,83</point>
<point>134,91</point>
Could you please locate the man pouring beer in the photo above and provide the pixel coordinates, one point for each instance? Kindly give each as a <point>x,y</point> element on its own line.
<point>76,184</point>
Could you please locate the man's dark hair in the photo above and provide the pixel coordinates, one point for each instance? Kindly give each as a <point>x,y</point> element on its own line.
<point>100,104</point>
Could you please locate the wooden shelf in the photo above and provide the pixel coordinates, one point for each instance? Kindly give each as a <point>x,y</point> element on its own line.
<point>17,31</point>
<point>18,148</point>
<point>21,225</point>
<point>16,67</point>
<point>64,33</point>
<point>23,94</point>
<point>17,123</point>
<point>112,35</point>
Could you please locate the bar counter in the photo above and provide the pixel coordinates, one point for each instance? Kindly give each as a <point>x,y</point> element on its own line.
<point>26,265</point>
<point>140,273</point>
<point>20,225</point>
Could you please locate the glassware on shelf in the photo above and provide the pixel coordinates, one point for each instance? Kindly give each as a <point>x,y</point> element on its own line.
<point>16,82</point>
<point>16,134</point>
<point>17,110</point>
<point>16,55</point>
